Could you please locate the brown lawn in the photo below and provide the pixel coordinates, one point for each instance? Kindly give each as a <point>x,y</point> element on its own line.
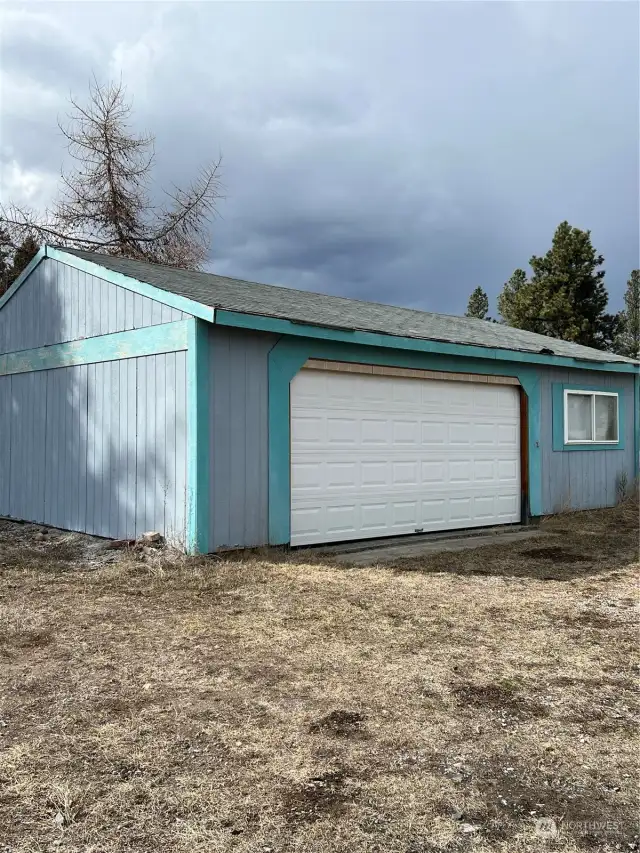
<point>150,702</point>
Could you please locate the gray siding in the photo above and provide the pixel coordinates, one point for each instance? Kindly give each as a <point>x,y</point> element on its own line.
<point>98,448</point>
<point>58,303</point>
<point>583,479</point>
<point>239,438</point>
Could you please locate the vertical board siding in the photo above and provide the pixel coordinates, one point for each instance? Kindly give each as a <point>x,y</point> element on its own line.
<point>58,303</point>
<point>98,448</point>
<point>239,462</point>
<point>584,479</point>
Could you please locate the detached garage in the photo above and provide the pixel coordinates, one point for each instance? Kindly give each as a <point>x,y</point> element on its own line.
<point>226,414</point>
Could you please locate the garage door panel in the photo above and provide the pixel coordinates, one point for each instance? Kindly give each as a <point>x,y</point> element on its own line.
<point>374,431</point>
<point>433,433</point>
<point>373,516</point>
<point>508,470</point>
<point>341,475</point>
<point>373,474</point>
<point>376,455</point>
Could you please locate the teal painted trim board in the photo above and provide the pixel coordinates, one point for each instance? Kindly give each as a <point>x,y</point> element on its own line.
<point>375,339</point>
<point>289,355</point>
<point>198,439</point>
<point>24,275</point>
<point>166,297</point>
<point>153,340</point>
<point>636,412</point>
<point>557,415</point>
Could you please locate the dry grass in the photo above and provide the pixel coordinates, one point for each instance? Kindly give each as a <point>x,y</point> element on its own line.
<point>274,703</point>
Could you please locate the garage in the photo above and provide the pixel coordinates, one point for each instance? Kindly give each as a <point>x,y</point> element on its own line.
<point>229,414</point>
<point>399,452</point>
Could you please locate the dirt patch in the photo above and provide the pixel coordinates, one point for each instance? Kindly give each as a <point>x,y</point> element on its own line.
<point>555,555</point>
<point>325,795</point>
<point>593,619</point>
<point>340,723</point>
<point>587,812</point>
<point>499,697</point>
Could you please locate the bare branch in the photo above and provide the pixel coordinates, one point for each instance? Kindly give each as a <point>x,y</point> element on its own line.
<point>104,203</point>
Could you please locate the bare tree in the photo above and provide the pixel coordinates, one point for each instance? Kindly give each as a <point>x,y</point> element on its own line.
<point>104,203</point>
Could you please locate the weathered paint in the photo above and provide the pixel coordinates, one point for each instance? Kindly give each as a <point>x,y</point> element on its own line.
<point>57,303</point>
<point>99,448</point>
<point>417,345</point>
<point>166,297</point>
<point>289,355</point>
<point>238,438</point>
<point>198,433</point>
<point>585,479</point>
<point>557,407</point>
<point>121,345</point>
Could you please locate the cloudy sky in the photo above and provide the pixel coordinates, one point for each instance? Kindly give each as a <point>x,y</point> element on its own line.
<point>400,152</point>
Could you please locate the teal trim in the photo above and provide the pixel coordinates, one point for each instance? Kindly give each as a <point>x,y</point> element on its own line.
<point>557,414</point>
<point>24,275</point>
<point>198,536</point>
<point>167,337</point>
<point>375,339</point>
<point>636,415</point>
<point>166,297</point>
<point>290,353</point>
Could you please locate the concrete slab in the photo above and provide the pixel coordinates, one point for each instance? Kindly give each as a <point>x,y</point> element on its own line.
<point>367,555</point>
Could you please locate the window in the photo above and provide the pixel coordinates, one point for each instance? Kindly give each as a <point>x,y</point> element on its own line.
<point>590,417</point>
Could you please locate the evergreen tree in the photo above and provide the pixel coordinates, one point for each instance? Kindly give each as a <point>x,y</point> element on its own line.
<point>566,296</point>
<point>627,341</point>
<point>14,260</point>
<point>478,305</point>
<point>516,304</point>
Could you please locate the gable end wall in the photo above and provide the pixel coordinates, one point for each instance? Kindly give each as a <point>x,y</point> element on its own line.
<point>58,303</point>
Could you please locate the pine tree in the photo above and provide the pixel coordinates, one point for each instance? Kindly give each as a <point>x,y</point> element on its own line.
<point>516,304</point>
<point>478,305</point>
<point>628,339</point>
<point>566,296</point>
<point>13,261</point>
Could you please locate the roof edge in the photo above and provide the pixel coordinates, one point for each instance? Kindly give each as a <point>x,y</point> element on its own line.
<point>166,297</point>
<point>264,323</point>
<point>24,275</point>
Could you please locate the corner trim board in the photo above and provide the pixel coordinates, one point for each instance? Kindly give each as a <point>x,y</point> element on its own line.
<point>153,340</point>
<point>197,509</point>
<point>636,423</point>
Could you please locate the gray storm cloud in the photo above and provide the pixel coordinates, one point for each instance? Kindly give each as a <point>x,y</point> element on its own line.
<point>398,152</point>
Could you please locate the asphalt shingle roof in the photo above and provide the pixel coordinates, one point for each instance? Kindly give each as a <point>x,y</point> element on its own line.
<point>302,306</point>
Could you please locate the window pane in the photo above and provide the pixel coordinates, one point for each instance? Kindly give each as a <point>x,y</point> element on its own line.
<point>606,418</point>
<point>579,417</point>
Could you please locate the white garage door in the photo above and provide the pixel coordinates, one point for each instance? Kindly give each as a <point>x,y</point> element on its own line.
<point>382,456</point>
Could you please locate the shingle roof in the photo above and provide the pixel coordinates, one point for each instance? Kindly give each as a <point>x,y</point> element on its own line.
<point>303,306</point>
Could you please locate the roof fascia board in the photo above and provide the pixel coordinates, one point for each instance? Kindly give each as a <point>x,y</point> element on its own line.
<point>24,275</point>
<point>166,297</point>
<point>261,323</point>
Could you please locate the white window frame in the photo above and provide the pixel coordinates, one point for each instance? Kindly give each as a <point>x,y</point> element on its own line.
<point>592,394</point>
